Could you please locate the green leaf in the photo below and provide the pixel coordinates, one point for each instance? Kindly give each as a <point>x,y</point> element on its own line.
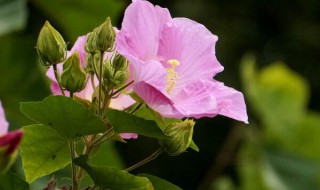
<point>43,151</point>
<point>10,181</point>
<point>113,178</point>
<point>126,123</point>
<point>71,15</point>
<point>13,15</point>
<point>279,97</point>
<point>277,94</point>
<point>148,114</point>
<point>70,118</point>
<point>160,184</point>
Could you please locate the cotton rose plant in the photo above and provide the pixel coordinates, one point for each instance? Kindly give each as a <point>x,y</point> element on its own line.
<point>152,77</point>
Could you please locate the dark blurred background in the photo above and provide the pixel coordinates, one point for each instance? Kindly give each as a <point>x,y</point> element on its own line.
<point>270,51</point>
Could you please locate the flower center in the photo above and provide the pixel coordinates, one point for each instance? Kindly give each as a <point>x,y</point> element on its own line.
<point>172,75</point>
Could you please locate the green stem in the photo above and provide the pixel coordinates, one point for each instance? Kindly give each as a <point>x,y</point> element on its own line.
<point>56,75</point>
<point>75,184</point>
<point>120,89</point>
<point>101,139</point>
<point>100,81</point>
<point>146,160</point>
<point>136,108</point>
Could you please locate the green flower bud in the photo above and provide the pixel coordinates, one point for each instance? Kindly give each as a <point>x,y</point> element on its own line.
<point>181,137</point>
<point>92,62</point>
<point>90,45</point>
<point>122,77</point>
<point>51,46</point>
<point>114,78</point>
<point>105,36</point>
<point>73,78</point>
<point>101,38</point>
<point>120,62</point>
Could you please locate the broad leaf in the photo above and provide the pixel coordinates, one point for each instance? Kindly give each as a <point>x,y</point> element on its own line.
<point>113,178</point>
<point>160,184</point>
<point>126,123</point>
<point>10,181</point>
<point>43,151</point>
<point>70,118</point>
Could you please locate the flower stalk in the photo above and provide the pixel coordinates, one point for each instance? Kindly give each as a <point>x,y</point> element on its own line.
<point>75,182</point>
<point>146,160</point>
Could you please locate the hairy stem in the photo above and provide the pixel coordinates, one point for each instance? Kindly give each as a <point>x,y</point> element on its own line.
<point>100,81</point>
<point>146,160</point>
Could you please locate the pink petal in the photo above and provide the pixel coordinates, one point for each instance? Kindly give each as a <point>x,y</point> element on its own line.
<point>129,135</point>
<point>197,100</point>
<point>79,47</point>
<point>209,98</point>
<point>140,30</point>
<point>3,122</point>
<point>151,72</point>
<point>231,102</point>
<point>193,45</point>
<point>155,99</point>
<point>12,140</point>
<point>121,102</point>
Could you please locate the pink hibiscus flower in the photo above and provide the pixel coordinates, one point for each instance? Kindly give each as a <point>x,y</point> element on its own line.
<point>172,61</point>
<point>121,102</point>
<point>8,140</point>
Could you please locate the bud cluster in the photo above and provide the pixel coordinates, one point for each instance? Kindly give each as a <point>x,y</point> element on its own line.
<point>116,72</point>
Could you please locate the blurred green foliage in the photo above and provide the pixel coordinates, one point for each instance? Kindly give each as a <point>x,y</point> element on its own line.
<point>283,154</point>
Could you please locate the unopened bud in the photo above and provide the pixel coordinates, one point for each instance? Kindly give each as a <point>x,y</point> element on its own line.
<point>180,137</point>
<point>9,149</point>
<point>120,62</point>
<point>90,45</point>
<point>114,78</point>
<point>105,36</point>
<point>101,38</point>
<point>51,46</point>
<point>92,62</point>
<point>73,78</point>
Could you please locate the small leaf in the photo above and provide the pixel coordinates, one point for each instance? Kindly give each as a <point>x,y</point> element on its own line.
<point>126,123</point>
<point>70,118</point>
<point>160,184</point>
<point>43,151</point>
<point>10,181</point>
<point>113,178</point>
<point>194,146</point>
